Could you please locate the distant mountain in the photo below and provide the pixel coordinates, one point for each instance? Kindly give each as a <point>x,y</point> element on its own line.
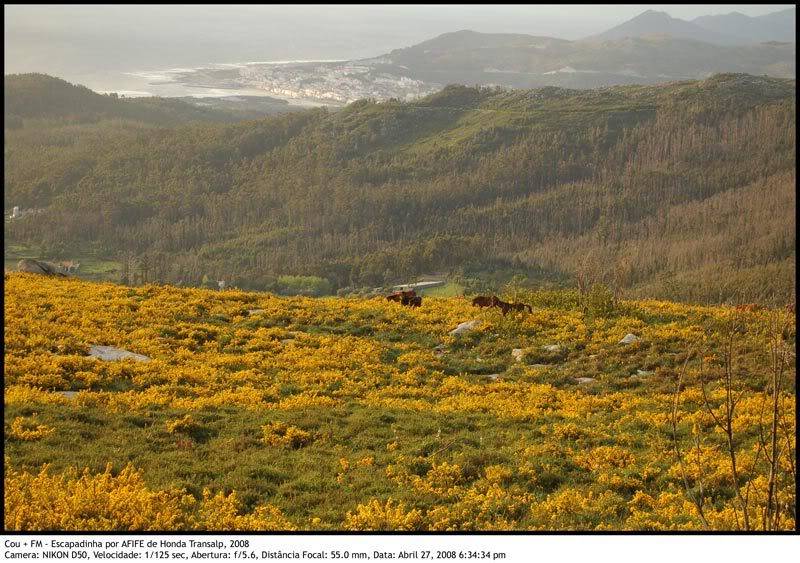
<point>729,29</point>
<point>777,26</point>
<point>652,22</point>
<point>468,39</point>
<point>527,61</point>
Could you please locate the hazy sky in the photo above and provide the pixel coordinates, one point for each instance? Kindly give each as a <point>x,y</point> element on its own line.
<point>87,42</point>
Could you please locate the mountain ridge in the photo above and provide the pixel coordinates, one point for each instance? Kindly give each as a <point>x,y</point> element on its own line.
<point>652,22</point>
<point>775,26</point>
<point>527,61</point>
<point>730,29</point>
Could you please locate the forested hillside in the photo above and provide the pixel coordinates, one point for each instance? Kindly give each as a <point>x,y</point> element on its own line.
<point>38,96</point>
<point>683,190</point>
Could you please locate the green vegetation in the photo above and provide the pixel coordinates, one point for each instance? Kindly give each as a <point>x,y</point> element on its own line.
<point>303,285</point>
<point>322,406</point>
<point>449,289</point>
<point>93,266</point>
<point>683,190</point>
<point>38,96</point>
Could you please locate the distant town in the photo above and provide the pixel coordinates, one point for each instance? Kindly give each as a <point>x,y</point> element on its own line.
<point>329,82</point>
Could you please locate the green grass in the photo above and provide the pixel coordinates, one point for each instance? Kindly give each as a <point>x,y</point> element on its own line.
<point>93,267</point>
<point>450,289</point>
<point>231,456</point>
<point>472,421</point>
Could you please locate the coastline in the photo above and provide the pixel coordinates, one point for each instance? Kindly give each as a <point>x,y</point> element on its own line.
<point>175,83</point>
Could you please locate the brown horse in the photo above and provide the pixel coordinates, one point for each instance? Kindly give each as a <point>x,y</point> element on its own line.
<point>506,307</point>
<point>484,301</point>
<point>520,307</point>
<point>408,298</point>
<point>502,305</point>
<point>402,296</point>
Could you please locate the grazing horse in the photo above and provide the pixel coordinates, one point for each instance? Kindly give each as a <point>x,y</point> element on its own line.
<point>502,305</point>
<point>494,301</point>
<point>520,307</point>
<point>401,296</point>
<point>506,307</point>
<point>484,301</point>
<point>406,298</point>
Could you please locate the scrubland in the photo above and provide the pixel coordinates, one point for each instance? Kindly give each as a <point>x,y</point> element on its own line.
<point>263,413</point>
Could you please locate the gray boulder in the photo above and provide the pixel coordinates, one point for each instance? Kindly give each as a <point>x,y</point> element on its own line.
<point>466,327</point>
<point>630,339</point>
<point>110,353</point>
<point>38,267</point>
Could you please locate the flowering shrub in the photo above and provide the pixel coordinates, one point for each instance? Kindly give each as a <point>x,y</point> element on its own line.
<point>77,500</point>
<point>576,509</point>
<point>83,501</point>
<point>412,428</point>
<point>220,512</point>
<point>28,430</point>
<point>185,425</point>
<point>281,435</point>
<point>389,515</point>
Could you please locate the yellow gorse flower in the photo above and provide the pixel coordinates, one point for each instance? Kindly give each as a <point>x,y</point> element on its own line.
<point>464,436</point>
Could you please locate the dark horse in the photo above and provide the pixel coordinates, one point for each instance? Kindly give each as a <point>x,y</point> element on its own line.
<point>401,296</point>
<point>522,307</point>
<point>409,298</point>
<point>494,301</point>
<point>506,307</point>
<point>484,301</point>
<point>502,305</point>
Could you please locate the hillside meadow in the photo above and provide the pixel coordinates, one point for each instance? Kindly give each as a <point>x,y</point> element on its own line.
<point>257,412</point>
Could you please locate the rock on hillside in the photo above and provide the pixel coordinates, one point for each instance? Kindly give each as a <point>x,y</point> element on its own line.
<point>38,267</point>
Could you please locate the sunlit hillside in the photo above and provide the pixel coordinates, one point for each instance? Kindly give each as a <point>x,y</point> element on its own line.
<point>250,411</point>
